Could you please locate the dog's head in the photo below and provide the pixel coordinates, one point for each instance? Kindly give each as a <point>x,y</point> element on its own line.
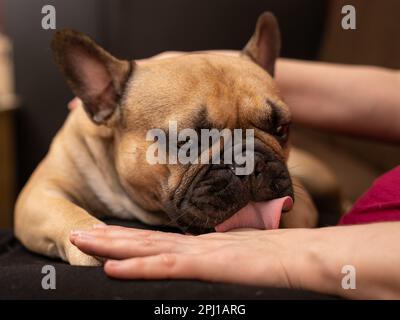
<point>196,91</point>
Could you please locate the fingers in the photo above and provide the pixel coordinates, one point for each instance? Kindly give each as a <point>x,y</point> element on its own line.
<point>118,231</point>
<point>162,266</point>
<point>73,103</point>
<point>204,266</point>
<point>122,247</point>
<point>144,254</point>
<point>117,242</point>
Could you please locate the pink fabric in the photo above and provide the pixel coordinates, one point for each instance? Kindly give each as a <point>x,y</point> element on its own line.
<point>380,203</point>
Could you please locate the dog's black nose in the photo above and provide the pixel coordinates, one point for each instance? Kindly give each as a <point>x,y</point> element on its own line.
<point>270,178</point>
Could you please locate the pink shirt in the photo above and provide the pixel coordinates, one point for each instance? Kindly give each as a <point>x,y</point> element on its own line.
<point>380,203</point>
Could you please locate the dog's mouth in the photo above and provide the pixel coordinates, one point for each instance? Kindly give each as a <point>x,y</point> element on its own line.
<point>219,200</point>
<point>263,215</point>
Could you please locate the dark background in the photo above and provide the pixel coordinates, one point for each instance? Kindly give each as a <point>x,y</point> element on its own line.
<point>133,29</point>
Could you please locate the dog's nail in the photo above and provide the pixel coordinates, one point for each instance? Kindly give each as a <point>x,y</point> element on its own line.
<point>99,226</point>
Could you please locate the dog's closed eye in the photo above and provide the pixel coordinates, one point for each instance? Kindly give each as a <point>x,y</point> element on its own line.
<point>282,132</point>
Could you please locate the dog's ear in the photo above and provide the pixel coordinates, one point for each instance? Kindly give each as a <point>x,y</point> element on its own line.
<point>265,44</point>
<point>93,74</point>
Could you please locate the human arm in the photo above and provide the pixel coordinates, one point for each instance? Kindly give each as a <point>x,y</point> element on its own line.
<point>357,100</point>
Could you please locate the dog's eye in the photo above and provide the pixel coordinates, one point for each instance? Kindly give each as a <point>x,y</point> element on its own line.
<point>282,132</point>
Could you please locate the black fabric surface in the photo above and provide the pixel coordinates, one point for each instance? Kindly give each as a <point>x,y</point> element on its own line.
<point>21,277</point>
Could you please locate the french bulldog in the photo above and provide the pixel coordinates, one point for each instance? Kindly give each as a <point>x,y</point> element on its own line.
<point>97,166</point>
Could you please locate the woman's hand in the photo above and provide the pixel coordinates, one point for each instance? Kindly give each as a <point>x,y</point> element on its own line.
<point>74,103</point>
<point>269,258</point>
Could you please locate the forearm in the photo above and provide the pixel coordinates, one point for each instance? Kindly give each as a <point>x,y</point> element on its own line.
<point>373,250</point>
<point>360,100</point>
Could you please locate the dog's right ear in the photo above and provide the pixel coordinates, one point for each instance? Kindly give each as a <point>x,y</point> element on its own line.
<point>94,75</point>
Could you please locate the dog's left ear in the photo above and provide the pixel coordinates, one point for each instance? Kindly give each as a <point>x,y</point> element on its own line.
<point>265,44</point>
<point>94,75</point>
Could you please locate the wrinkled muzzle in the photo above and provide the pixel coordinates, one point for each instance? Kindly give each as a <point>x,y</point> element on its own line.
<point>219,199</point>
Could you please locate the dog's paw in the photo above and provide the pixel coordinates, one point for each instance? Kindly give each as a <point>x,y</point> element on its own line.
<point>77,258</point>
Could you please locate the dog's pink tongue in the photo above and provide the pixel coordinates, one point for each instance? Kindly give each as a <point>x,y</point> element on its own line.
<point>258,215</point>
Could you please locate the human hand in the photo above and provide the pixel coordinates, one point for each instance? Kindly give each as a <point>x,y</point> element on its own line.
<point>271,258</point>
<point>74,103</point>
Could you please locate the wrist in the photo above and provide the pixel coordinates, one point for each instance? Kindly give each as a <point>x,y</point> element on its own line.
<point>314,267</point>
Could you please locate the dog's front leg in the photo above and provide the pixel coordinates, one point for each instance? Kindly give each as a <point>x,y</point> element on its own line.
<point>44,221</point>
